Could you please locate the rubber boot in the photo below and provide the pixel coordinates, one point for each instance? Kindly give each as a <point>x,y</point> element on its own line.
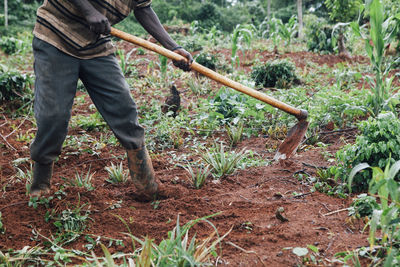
<point>142,172</point>
<point>41,179</point>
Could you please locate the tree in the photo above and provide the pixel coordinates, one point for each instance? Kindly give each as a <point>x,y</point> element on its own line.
<point>300,17</point>
<point>5,13</point>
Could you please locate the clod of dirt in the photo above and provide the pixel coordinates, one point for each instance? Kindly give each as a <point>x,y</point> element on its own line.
<point>172,102</point>
<point>279,215</point>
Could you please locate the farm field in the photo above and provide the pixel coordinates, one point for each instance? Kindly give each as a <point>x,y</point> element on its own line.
<point>223,200</point>
<point>246,201</point>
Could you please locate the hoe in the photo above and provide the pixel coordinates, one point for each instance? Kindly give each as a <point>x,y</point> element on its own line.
<point>295,135</point>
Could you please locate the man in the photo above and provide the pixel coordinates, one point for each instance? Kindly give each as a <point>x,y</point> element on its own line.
<point>72,42</point>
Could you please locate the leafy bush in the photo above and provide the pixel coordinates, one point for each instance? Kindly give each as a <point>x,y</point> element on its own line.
<point>228,106</point>
<point>10,45</point>
<point>363,206</point>
<point>14,87</point>
<point>279,73</point>
<point>318,34</point>
<point>377,144</point>
<point>207,60</point>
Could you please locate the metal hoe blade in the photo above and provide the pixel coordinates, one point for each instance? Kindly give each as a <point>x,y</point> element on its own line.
<point>292,141</point>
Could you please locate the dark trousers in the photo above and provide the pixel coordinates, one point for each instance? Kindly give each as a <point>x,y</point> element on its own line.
<point>57,75</point>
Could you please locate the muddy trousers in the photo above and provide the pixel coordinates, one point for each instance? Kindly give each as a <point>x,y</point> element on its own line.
<point>57,75</point>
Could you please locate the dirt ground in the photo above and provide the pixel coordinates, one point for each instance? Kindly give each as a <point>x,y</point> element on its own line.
<point>246,201</point>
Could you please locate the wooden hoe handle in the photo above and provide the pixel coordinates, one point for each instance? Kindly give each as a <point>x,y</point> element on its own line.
<point>298,113</point>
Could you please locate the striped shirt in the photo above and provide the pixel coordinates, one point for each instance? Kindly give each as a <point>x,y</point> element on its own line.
<point>61,24</point>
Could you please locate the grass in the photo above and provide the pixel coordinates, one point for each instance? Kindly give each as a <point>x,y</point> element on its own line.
<point>116,174</point>
<point>223,163</point>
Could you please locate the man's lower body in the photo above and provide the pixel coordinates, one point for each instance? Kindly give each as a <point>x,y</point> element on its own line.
<point>57,75</point>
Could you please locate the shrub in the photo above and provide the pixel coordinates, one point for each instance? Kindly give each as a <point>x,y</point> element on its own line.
<point>229,106</point>
<point>318,34</point>
<point>14,87</point>
<point>377,144</point>
<point>279,73</point>
<point>207,60</point>
<point>11,45</point>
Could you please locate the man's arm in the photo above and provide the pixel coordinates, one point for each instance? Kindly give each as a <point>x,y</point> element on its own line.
<point>150,22</point>
<point>98,23</point>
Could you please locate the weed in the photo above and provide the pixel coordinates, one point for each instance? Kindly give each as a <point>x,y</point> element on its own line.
<point>26,176</point>
<point>199,86</point>
<point>82,180</point>
<point>385,217</point>
<point>319,34</point>
<point>363,206</point>
<point>235,133</point>
<point>309,255</point>
<point>15,87</point>
<point>93,122</point>
<point>116,174</point>
<point>223,163</point>
<point>279,73</point>
<point>207,60</point>
<point>36,201</point>
<point>377,141</point>
<point>71,223</point>
<point>11,45</point>
<point>178,249</point>
<point>163,65</point>
<point>199,177</point>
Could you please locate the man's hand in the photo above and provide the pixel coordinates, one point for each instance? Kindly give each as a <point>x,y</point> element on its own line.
<point>98,23</point>
<point>183,64</point>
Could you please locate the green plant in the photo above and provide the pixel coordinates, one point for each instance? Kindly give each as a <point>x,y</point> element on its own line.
<point>178,249</point>
<point>363,206</point>
<point>82,180</point>
<point>242,33</point>
<point>279,73</point>
<point>15,87</point>
<point>377,144</point>
<point>235,133</point>
<point>207,60</point>
<point>288,31</point>
<point>223,163</point>
<point>71,223</point>
<point>318,34</point>
<point>26,176</point>
<point>380,34</point>
<point>273,32</point>
<point>124,61</point>
<point>163,65</point>
<point>229,106</point>
<point>309,255</point>
<point>386,216</point>
<point>10,45</point>
<point>2,228</point>
<point>116,174</point>
<point>93,122</point>
<point>198,177</point>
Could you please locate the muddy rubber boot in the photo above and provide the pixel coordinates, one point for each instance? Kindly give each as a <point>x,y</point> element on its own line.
<point>41,179</point>
<point>142,172</point>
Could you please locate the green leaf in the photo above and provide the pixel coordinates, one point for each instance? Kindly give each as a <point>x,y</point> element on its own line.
<point>394,170</point>
<point>355,170</point>
<point>313,248</point>
<point>301,252</point>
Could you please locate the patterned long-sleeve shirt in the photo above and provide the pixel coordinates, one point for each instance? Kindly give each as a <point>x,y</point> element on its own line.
<point>61,24</point>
